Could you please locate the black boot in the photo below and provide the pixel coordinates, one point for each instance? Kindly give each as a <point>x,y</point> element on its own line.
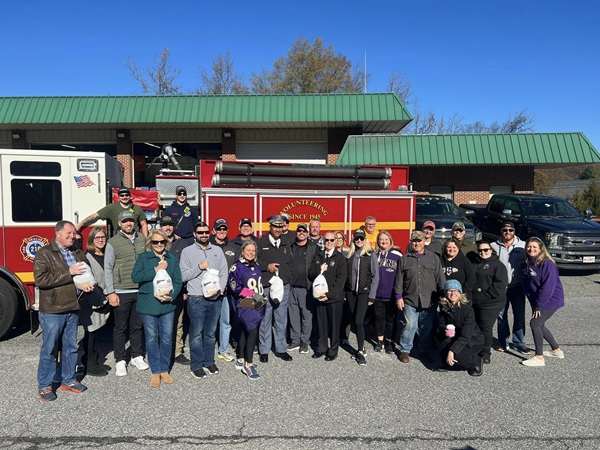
<point>477,371</point>
<point>93,368</point>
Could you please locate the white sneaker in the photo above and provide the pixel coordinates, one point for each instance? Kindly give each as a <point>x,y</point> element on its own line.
<point>558,353</point>
<point>121,369</point>
<point>534,362</point>
<point>139,362</point>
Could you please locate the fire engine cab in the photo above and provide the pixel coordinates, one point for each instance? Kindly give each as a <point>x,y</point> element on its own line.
<point>38,188</point>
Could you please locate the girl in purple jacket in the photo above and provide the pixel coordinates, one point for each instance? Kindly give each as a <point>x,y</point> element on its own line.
<point>546,295</point>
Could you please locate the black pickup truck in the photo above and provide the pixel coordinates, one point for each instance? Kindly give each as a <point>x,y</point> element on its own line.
<point>444,213</point>
<point>573,240</point>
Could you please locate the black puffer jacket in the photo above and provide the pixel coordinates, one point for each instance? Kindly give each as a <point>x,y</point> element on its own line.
<point>467,333</point>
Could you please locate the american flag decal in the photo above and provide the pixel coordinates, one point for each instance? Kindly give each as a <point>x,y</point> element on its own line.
<point>83,181</point>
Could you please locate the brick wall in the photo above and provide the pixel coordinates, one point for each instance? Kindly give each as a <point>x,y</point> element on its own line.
<point>228,147</point>
<point>472,183</point>
<point>125,157</point>
<point>21,142</point>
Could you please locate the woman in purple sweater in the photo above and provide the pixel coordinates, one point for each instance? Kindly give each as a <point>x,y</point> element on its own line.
<point>546,295</point>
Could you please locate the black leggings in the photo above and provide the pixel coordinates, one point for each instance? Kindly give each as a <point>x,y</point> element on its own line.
<point>540,332</point>
<point>246,343</point>
<point>486,319</point>
<point>358,304</point>
<point>385,317</point>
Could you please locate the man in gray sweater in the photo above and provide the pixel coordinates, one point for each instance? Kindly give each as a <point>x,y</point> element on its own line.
<point>203,312</point>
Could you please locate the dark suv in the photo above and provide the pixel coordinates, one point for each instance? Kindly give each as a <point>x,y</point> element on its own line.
<point>443,212</point>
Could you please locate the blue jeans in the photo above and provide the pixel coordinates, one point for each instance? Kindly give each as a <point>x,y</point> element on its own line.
<point>279,312</point>
<point>53,327</point>
<point>204,316</point>
<point>515,297</point>
<point>159,340</point>
<point>224,327</point>
<point>421,318</point>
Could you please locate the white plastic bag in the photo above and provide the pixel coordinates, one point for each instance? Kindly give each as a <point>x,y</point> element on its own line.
<point>276,290</point>
<point>163,285</point>
<point>320,287</point>
<point>86,279</point>
<point>211,286</point>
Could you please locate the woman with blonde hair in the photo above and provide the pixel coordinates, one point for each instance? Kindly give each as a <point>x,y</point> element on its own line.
<point>361,286</point>
<point>546,295</point>
<point>157,311</point>
<point>384,306</point>
<point>340,243</point>
<point>459,338</point>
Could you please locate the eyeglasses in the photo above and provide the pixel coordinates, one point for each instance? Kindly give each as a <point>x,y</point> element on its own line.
<point>484,250</point>
<point>460,230</point>
<point>222,229</point>
<point>416,240</point>
<point>124,195</point>
<point>99,238</point>
<point>181,193</point>
<point>359,238</point>
<point>161,242</point>
<point>508,230</point>
<point>301,231</point>
<point>370,224</point>
<point>202,232</point>
<point>339,238</point>
<point>329,240</point>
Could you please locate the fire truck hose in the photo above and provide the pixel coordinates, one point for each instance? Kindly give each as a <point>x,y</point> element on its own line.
<point>292,182</point>
<point>304,170</point>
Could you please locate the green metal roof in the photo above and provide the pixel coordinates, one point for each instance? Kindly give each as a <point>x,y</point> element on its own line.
<point>538,149</point>
<point>375,113</point>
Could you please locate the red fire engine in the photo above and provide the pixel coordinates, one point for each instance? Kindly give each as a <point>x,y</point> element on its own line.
<point>38,188</point>
<point>339,196</point>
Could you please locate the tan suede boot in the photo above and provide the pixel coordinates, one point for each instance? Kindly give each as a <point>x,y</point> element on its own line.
<point>167,378</point>
<point>155,381</point>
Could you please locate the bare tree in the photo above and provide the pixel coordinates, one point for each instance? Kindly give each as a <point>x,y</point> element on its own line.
<point>521,122</point>
<point>401,85</point>
<point>158,78</point>
<point>309,68</point>
<point>222,79</point>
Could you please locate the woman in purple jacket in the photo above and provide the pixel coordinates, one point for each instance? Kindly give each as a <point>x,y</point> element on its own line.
<point>245,273</point>
<point>384,308</point>
<point>546,295</point>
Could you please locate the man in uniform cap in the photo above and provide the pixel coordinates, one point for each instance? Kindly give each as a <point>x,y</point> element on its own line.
<point>418,287</point>
<point>184,214</point>
<point>111,213</point>
<point>273,256</point>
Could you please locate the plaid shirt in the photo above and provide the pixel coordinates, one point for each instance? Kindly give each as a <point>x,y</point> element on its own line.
<point>69,258</point>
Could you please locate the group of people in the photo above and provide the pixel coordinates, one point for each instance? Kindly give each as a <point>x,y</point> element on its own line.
<point>282,292</point>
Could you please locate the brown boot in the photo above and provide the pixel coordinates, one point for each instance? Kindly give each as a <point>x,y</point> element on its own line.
<point>404,357</point>
<point>167,378</point>
<point>155,381</point>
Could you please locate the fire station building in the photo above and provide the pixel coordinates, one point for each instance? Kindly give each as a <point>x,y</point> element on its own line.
<point>343,129</point>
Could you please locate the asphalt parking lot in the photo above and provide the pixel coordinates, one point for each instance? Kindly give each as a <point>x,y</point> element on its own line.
<point>311,404</point>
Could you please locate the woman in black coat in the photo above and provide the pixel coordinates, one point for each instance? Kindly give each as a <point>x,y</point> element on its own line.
<point>461,345</point>
<point>489,293</point>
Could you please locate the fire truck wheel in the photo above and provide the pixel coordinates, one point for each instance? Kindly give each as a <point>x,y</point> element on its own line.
<point>8,307</point>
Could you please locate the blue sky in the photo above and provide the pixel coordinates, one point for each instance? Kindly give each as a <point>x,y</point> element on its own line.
<point>481,59</point>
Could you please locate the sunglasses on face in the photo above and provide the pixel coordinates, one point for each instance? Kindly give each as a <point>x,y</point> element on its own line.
<point>329,240</point>
<point>359,238</point>
<point>202,232</point>
<point>221,229</point>
<point>161,242</point>
<point>484,250</point>
<point>508,230</point>
<point>124,195</point>
<point>458,230</point>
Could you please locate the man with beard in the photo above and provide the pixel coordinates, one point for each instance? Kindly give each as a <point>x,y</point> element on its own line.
<point>301,301</point>
<point>219,238</point>
<point>315,233</point>
<point>120,255</point>
<point>204,312</point>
